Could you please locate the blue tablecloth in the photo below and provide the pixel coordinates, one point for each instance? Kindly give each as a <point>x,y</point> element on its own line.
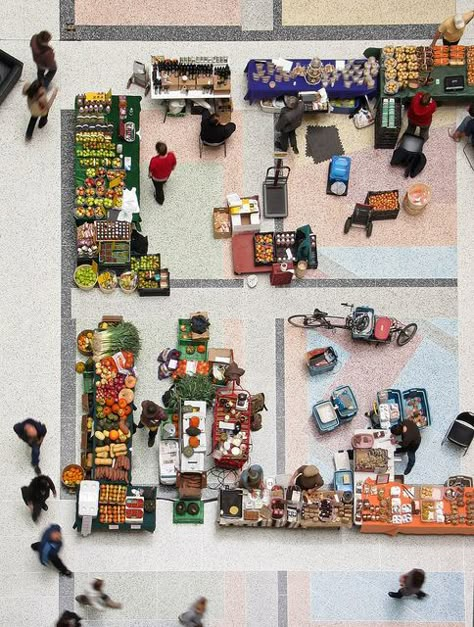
<point>261,91</point>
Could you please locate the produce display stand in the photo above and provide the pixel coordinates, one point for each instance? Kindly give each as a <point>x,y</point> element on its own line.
<point>416,503</point>
<point>231,428</point>
<point>435,87</point>
<point>258,90</point>
<point>362,475</point>
<point>388,122</point>
<point>284,507</point>
<point>153,280</point>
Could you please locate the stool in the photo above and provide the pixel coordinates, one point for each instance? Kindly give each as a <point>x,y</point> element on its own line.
<point>202,144</point>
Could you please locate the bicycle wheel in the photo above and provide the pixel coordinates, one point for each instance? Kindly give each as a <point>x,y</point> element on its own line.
<point>406,334</point>
<point>303,321</point>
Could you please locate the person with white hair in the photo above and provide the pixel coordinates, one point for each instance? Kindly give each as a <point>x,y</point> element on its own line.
<point>452,29</point>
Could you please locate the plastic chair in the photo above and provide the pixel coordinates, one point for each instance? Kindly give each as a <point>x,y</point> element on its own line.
<point>140,77</point>
<point>202,144</point>
<point>461,431</point>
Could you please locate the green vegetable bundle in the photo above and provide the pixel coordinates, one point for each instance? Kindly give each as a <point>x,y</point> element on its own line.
<point>123,336</point>
<point>197,387</point>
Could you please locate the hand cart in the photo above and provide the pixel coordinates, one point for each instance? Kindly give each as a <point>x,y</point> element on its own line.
<point>275,190</point>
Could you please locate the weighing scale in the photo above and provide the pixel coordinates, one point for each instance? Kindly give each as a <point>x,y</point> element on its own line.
<point>275,189</point>
<point>88,505</point>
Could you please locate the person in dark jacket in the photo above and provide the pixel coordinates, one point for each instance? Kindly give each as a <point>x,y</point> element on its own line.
<point>410,584</point>
<point>411,440</point>
<point>212,131</point>
<point>420,114</point>
<point>289,120</point>
<point>32,432</point>
<point>151,417</point>
<point>466,128</point>
<point>43,56</point>
<point>69,619</point>
<point>48,548</point>
<point>37,493</point>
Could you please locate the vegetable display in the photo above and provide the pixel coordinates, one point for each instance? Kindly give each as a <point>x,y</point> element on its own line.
<point>198,387</point>
<point>123,336</point>
<point>85,276</point>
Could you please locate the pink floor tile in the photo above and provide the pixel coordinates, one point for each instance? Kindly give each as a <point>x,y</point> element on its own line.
<point>234,334</point>
<point>299,612</point>
<point>158,12</point>
<point>234,599</point>
<point>370,170</point>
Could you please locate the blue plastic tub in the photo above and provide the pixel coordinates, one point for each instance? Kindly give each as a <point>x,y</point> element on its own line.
<point>325,416</point>
<point>344,402</point>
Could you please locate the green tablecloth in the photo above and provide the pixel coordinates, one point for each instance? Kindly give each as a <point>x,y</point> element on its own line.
<point>130,149</point>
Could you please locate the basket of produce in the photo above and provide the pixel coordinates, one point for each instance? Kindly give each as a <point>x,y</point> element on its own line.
<point>107,281</point>
<point>84,342</point>
<point>391,87</point>
<point>85,277</point>
<point>72,475</point>
<point>386,204</point>
<point>128,281</point>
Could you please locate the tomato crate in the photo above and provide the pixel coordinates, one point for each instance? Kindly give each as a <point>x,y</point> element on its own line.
<point>384,214</point>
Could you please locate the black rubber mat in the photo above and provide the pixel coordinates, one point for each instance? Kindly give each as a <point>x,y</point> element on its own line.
<point>322,142</point>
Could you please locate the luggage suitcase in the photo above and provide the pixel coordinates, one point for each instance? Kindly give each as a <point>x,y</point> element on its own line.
<point>382,328</point>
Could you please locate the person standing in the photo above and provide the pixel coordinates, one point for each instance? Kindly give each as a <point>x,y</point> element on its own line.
<point>37,493</point>
<point>160,168</point>
<point>193,617</point>
<point>420,114</point>
<point>95,597</point>
<point>452,29</point>
<point>307,477</point>
<point>32,432</point>
<point>410,584</point>
<point>151,417</point>
<point>213,133</point>
<point>48,548</point>
<point>411,440</point>
<point>290,118</point>
<point>38,104</point>
<point>43,56</point>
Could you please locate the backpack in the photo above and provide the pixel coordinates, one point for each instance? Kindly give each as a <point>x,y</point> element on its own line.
<point>258,403</point>
<point>199,324</point>
<point>139,243</point>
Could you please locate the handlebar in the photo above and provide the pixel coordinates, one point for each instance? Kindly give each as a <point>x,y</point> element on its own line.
<point>347,305</point>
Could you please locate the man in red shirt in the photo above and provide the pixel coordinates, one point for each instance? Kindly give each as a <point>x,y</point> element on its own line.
<point>420,113</point>
<point>160,169</point>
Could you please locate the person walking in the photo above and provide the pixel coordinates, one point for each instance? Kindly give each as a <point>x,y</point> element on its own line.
<point>38,104</point>
<point>452,29</point>
<point>160,168</point>
<point>410,584</point>
<point>420,114</point>
<point>290,118</point>
<point>95,597</point>
<point>213,133</point>
<point>37,493</point>
<point>411,440</point>
<point>69,619</point>
<point>32,432</point>
<point>48,548</point>
<point>43,56</point>
<point>193,617</point>
<point>151,417</point>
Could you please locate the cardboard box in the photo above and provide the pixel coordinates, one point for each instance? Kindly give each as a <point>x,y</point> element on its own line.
<point>170,81</point>
<point>222,212</point>
<point>245,222</point>
<point>221,87</point>
<point>204,81</point>
<point>224,108</point>
<point>191,484</point>
<point>221,355</point>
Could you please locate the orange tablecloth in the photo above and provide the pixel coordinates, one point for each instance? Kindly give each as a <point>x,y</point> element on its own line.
<point>416,527</point>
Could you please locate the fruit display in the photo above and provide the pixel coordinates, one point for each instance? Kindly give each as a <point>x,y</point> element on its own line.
<point>84,342</point>
<point>114,494</point>
<point>424,54</point>
<point>112,514</point>
<point>401,65</point>
<point>113,231</point>
<point>72,475</point>
<point>107,281</point>
<point>86,240</point>
<point>470,64</point>
<point>383,201</point>
<point>134,509</point>
<point>186,367</point>
<point>128,281</point>
<point>263,248</point>
<point>146,262</point>
<point>85,277</point>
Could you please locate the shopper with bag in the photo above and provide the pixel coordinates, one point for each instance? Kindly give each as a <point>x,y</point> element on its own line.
<point>410,585</point>
<point>37,493</point>
<point>48,548</point>
<point>95,597</point>
<point>32,432</point>
<point>38,104</point>
<point>43,56</point>
<point>160,169</point>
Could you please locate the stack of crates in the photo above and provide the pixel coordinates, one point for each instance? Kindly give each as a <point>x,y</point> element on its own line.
<point>388,122</point>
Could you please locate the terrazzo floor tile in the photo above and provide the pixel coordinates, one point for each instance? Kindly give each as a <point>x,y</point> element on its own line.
<point>170,12</point>
<point>303,12</point>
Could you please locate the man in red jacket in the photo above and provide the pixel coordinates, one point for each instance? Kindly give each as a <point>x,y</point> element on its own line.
<point>43,56</point>
<point>160,169</point>
<point>420,113</point>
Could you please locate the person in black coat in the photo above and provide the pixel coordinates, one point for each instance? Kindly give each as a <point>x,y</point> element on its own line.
<point>37,493</point>
<point>32,432</point>
<point>411,440</point>
<point>212,131</point>
<point>69,619</point>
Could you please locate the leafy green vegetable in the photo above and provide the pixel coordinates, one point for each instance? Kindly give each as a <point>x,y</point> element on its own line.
<point>123,336</point>
<point>197,387</point>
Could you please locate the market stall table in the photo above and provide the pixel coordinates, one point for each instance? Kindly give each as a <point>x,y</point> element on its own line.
<point>416,525</point>
<point>258,90</point>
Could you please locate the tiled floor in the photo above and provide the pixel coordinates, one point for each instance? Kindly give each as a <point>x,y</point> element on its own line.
<point>418,269</point>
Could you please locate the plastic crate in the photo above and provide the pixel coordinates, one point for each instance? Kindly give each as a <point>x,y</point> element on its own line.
<point>255,239</point>
<point>384,215</point>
